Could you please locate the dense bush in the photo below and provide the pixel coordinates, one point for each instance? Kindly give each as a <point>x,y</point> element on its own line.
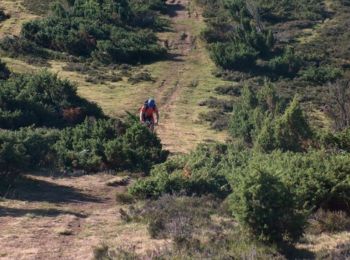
<point>335,141</point>
<point>266,207</point>
<point>198,173</point>
<point>26,149</point>
<point>238,38</point>
<point>262,120</point>
<point>321,75</point>
<point>317,179</point>
<point>42,100</point>
<point>108,30</point>
<point>109,144</point>
<point>233,56</point>
<point>288,64</point>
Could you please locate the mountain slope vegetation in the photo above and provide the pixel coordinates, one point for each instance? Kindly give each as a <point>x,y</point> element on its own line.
<point>270,179</point>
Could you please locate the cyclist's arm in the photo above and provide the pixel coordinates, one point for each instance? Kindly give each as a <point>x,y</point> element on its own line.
<point>157,116</point>
<point>141,116</point>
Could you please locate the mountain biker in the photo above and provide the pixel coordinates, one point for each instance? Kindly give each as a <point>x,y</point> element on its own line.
<point>149,112</point>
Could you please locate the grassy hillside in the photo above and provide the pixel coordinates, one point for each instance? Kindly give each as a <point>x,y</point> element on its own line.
<point>251,156</point>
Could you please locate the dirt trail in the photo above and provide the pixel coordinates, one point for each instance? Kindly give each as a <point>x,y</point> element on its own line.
<point>66,218</point>
<point>178,128</point>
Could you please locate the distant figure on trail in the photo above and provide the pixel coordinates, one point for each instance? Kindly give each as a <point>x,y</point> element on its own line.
<point>149,114</point>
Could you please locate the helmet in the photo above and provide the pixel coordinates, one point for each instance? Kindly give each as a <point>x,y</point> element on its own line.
<point>151,103</point>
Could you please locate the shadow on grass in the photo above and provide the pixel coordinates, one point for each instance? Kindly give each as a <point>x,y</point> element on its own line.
<point>291,252</point>
<point>29,189</point>
<point>172,9</point>
<point>12,212</point>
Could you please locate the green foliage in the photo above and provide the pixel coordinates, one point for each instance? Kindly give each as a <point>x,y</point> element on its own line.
<point>4,71</point>
<point>317,179</point>
<point>266,207</point>
<point>233,56</point>
<point>291,129</point>
<point>106,144</point>
<point>42,100</point>
<point>108,30</point>
<point>260,119</point>
<point>26,149</point>
<point>288,64</point>
<point>238,39</point>
<point>321,75</point>
<point>335,141</point>
<point>241,124</point>
<point>277,10</point>
<point>271,194</point>
<point>198,173</point>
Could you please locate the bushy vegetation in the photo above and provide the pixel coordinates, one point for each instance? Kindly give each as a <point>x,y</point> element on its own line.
<point>273,188</point>
<point>240,39</point>
<point>266,207</point>
<point>288,64</point>
<point>77,135</point>
<point>109,144</point>
<point>321,75</point>
<point>198,173</point>
<point>109,30</point>
<point>26,149</point>
<point>42,100</point>
<point>263,120</point>
<point>91,146</point>
<point>188,222</point>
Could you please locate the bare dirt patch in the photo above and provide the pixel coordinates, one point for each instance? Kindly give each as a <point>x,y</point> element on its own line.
<point>65,218</point>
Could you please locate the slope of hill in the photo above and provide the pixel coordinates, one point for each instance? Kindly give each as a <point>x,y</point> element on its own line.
<point>271,180</point>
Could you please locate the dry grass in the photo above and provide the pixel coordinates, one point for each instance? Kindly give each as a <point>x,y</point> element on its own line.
<point>19,15</point>
<point>324,242</point>
<point>65,218</point>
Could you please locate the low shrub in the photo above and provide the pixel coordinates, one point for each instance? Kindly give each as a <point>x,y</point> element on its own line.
<point>321,75</point>
<point>26,149</point>
<point>263,120</point>
<point>266,207</point>
<point>140,77</point>
<point>198,173</point>
<point>338,141</point>
<point>124,198</point>
<point>109,144</point>
<point>288,64</point>
<point>42,100</point>
<point>174,217</point>
<point>222,104</point>
<point>228,90</point>
<point>109,31</point>
<point>317,179</point>
<point>16,46</point>
<point>233,56</point>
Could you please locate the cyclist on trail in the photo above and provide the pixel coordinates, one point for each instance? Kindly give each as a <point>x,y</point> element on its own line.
<point>149,114</point>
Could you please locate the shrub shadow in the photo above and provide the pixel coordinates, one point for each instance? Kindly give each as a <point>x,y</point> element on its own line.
<point>291,252</point>
<point>172,9</point>
<point>29,189</point>
<point>12,212</point>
